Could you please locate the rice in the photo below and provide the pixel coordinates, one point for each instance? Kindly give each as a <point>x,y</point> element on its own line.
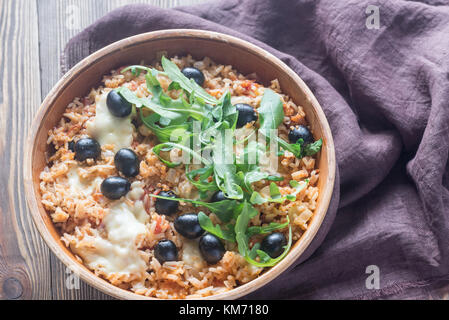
<point>72,197</point>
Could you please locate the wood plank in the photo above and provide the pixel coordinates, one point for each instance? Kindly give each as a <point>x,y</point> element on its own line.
<point>24,259</point>
<point>58,22</point>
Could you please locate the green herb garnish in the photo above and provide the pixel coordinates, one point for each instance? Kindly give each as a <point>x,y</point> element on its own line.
<point>195,117</point>
<point>223,209</point>
<point>187,84</point>
<point>275,195</point>
<point>206,223</point>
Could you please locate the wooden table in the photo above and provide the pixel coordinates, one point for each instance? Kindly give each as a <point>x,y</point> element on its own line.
<point>32,35</point>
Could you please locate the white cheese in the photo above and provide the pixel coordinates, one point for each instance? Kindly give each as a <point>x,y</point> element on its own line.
<point>118,253</point>
<point>191,254</point>
<point>136,191</point>
<point>108,129</point>
<point>122,225</point>
<point>111,258</point>
<point>78,187</point>
<point>135,194</point>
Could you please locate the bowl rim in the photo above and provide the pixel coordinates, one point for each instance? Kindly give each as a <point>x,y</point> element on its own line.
<point>103,285</point>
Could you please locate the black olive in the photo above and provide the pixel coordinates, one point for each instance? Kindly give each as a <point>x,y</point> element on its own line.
<point>300,132</point>
<point>195,74</point>
<point>218,196</point>
<point>188,226</point>
<point>117,105</point>
<point>273,244</point>
<point>87,148</point>
<point>164,206</point>
<point>247,114</point>
<point>127,162</point>
<point>165,250</point>
<point>211,248</point>
<point>115,187</point>
<point>71,146</point>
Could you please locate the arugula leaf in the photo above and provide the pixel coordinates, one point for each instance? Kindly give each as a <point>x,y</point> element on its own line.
<point>249,159</point>
<point>253,230</point>
<point>229,111</point>
<point>225,174</point>
<point>264,257</point>
<point>295,148</point>
<point>266,260</point>
<point>202,184</point>
<point>256,198</point>
<point>173,86</point>
<point>271,111</point>
<point>241,236</point>
<point>172,111</point>
<point>165,134</point>
<point>173,116</point>
<point>253,252</point>
<point>275,178</point>
<point>256,175</point>
<point>312,148</point>
<point>227,180</point>
<point>275,195</point>
<point>136,72</point>
<point>173,72</point>
<point>247,212</point>
<point>209,131</point>
<point>271,114</point>
<point>129,96</point>
<point>253,176</point>
<point>153,84</point>
<point>135,68</point>
<point>299,149</point>
<point>207,224</point>
<point>223,209</point>
<point>170,145</point>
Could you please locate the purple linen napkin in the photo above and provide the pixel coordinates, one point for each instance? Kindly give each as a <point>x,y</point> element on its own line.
<point>385,92</point>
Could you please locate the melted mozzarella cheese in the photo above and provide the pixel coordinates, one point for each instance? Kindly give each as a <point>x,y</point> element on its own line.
<point>118,253</point>
<point>122,224</point>
<point>136,191</point>
<point>110,258</point>
<point>191,254</point>
<point>78,187</point>
<point>108,129</point>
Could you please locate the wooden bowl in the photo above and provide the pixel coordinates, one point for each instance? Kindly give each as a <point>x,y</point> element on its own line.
<point>223,49</point>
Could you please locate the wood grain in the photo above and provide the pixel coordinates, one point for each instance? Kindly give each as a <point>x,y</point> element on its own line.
<point>32,34</point>
<point>24,259</point>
